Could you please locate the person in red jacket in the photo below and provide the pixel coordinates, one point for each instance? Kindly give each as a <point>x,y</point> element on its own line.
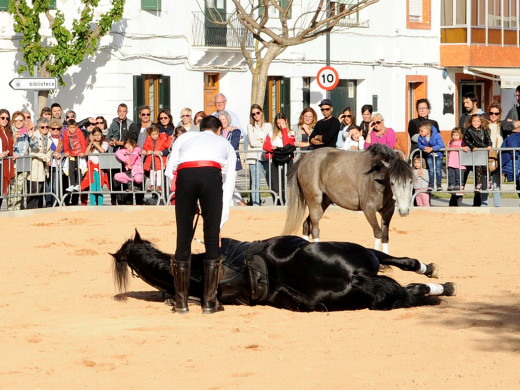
<point>154,145</point>
<point>74,145</point>
<point>282,139</point>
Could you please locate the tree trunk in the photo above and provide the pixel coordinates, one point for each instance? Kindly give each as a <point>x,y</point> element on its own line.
<point>260,78</point>
<point>43,96</point>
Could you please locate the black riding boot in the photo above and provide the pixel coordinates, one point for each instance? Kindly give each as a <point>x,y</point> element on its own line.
<point>181,279</point>
<point>209,303</point>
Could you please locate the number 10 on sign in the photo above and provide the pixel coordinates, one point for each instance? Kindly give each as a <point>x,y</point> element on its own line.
<point>327,78</point>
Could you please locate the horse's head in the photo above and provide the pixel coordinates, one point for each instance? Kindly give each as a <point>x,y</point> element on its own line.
<point>401,183</point>
<point>120,265</point>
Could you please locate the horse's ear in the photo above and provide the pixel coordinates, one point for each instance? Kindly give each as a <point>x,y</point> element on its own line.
<point>137,238</point>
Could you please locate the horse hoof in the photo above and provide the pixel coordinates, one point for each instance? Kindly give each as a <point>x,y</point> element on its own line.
<point>384,268</point>
<point>211,310</point>
<point>450,289</point>
<point>432,271</point>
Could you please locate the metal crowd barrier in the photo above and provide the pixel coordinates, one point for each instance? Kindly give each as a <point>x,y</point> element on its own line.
<point>472,160</point>
<point>52,193</point>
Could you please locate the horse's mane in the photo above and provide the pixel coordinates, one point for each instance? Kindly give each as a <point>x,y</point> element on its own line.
<point>383,156</point>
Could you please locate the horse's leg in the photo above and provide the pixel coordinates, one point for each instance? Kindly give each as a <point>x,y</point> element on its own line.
<point>386,217</point>
<point>446,289</point>
<point>408,264</point>
<point>372,220</point>
<point>306,228</point>
<point>315,215</point>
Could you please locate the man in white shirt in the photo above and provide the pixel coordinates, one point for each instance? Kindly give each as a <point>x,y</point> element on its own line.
<point>204,163</point>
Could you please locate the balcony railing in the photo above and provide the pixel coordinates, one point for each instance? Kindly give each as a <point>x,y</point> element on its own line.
<point>208,33</point>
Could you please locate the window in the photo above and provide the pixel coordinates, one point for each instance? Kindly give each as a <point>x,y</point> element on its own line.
<point>306,92</point>
<point>344,95</point>
<point>151,90</point>
<point>273,11</point>
<point>277,98</point>
<point>4,5</point>
<point>418,14</point>
<point>151,5</point>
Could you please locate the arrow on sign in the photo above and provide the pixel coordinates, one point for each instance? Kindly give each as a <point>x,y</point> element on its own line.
<point>34,83</point>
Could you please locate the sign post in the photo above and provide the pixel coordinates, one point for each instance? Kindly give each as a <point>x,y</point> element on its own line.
<point>327,78</point>
<point>35,84</point>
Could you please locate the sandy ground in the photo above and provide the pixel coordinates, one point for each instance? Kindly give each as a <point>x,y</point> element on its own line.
<point>61,327</point>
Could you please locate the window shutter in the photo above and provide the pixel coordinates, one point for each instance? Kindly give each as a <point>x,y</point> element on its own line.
<point>151,5</point>
<point>138,95</point>
<point>4,5</point>
<point>285,99</point>
<point>52,4</point>
<point>164,93</point>
<point>284,4</point>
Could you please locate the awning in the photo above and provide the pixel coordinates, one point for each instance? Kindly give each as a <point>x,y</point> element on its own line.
<point>508,77</point>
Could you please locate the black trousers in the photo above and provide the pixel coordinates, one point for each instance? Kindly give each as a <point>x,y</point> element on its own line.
<point>205,185</point>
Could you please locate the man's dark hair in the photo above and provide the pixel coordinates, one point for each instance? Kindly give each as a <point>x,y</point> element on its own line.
<point>123,105</point>
<point>210,123</point>
<point>55,105</point>
<point>518,89</point>
<point>144,108</point>
<point>71,122</point>
<point>471,96</point>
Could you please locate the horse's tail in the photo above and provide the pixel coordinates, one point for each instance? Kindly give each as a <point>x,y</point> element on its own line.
<point>120,277</point>
<point>295,201</point>
<point>386,293</point>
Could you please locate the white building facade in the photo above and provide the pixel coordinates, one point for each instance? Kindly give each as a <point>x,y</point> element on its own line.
<point>165,55</point>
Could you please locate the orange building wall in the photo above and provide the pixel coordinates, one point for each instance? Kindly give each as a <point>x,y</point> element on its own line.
<point>479,55</point>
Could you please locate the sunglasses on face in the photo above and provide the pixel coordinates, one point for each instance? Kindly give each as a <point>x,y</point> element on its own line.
<point>71,117</point>
<point>28,117</point>
<point>183,116</point>
<point>92,124</point>
<point>55,128</point>
<point>43,127</point>
<point>19,120</point>
<point>163,117</point>
<point>494,113</point>
<point>326,108</point>
<point>4,118</point>
<point>378,122</point>
<point>100,122</point>
<point>145,114</point>
<point>348,116</point>
<point>255,113</point>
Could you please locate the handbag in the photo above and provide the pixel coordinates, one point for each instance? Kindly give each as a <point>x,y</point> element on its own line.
<point>493,160</point>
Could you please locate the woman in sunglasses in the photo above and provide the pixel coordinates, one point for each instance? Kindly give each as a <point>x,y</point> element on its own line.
<point>378,133</point>
<point>6,150</point>
<point>257,131</point>
<point>101,122</point>
<point>495,116</point>
<point>187,120</point>
<point>347,120</point>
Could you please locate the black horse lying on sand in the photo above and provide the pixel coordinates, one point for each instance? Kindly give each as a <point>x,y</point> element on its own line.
<point>288,272</point>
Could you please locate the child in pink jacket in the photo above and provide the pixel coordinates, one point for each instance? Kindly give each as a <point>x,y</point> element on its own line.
<point>131,156</point>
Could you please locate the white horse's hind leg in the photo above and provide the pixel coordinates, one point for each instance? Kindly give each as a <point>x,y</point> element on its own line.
<point>377,243</point>
<point>385,248</point>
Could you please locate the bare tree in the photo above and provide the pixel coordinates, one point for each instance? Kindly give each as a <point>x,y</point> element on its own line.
<point>273,35</point>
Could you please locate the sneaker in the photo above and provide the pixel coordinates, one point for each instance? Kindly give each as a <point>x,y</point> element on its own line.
<point>478,187</point>
<point>450,289</point>
<point>430,189</point>
<point>76,188</point>
<point>159,189</point>
<point>439,188</point>
<point>456,188</point>
<point>150,189</point>
<point>451,188</point>
<point>70,189</point>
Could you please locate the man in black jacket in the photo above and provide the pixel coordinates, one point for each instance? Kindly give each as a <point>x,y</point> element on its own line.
<point>325,132</point>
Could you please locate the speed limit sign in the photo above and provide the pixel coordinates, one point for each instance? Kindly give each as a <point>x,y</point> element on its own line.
<point>327,78</point>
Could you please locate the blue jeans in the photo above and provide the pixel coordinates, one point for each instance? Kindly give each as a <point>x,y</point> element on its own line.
<point>255,169</point>
<point>434,165</point>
